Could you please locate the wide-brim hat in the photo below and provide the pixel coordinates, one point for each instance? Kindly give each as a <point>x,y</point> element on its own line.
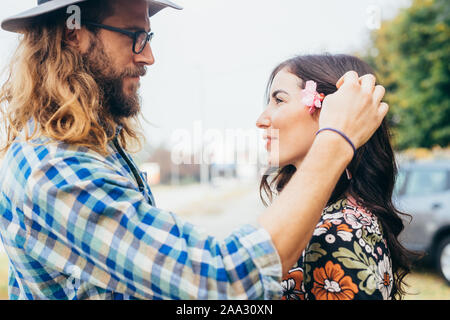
<point>27,18</point>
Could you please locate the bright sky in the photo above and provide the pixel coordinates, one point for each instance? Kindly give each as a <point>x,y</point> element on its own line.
<point>213,58</point>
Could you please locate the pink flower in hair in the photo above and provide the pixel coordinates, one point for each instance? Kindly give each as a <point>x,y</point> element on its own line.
<point>311,98</point>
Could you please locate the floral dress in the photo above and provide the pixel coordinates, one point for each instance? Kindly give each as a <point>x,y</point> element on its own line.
<point>347,258</point>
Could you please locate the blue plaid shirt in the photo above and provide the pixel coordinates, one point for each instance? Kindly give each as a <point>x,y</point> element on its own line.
<point>78,225</point>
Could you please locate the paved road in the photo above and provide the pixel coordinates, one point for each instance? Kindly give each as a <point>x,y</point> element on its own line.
<point>217,210</point>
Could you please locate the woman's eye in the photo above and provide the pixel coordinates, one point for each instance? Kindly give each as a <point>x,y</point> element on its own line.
<point>277,100</point>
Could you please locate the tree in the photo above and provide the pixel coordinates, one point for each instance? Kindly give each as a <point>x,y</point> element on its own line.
<point>412,59</point>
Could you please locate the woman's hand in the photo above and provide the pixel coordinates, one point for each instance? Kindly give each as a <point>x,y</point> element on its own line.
<point>356,108</point>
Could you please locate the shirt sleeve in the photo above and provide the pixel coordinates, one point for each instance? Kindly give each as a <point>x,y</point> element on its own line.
<point>95,220</point>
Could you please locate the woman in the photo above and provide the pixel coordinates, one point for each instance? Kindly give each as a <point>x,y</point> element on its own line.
<point>354,252</point>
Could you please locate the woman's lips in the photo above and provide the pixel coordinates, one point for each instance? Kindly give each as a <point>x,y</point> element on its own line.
<point>269,142</point>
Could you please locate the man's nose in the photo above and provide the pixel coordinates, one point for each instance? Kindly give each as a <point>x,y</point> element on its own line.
<point>145,57</point>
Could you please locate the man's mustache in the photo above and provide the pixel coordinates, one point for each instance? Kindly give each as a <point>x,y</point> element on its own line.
<point>139,72</point>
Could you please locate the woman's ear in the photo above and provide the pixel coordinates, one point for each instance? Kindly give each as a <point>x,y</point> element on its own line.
<point>316,114</point>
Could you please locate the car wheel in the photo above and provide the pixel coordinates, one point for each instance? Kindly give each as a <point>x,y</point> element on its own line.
<point>443,259</point>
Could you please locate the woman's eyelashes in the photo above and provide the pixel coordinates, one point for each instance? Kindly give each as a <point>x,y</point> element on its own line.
<point>279,96</point>
<point>278,100</point>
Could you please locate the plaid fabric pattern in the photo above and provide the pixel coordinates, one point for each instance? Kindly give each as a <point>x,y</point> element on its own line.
<point>75,225</point>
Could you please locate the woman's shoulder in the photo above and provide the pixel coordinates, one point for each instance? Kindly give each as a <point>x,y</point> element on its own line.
<point>348,240</point>
<point>345,218</point>
<point>346,258</point>
<point>345,222</point>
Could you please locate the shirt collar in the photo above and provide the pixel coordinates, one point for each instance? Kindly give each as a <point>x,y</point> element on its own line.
<point>118,130</point>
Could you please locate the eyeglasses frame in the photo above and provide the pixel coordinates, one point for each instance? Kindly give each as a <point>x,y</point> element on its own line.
<point>133,35</point>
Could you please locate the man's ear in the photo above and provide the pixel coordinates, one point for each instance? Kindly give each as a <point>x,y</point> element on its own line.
<point>77,38</point>
<point>71,37</point>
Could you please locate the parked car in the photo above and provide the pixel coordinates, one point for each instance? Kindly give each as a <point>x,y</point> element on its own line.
<point>423,191</point>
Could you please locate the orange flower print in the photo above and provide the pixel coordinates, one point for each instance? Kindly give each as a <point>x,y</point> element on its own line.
<point>345,232</point>
<point>322,228</point>
<point>330,283</point>
<point>292,285</point>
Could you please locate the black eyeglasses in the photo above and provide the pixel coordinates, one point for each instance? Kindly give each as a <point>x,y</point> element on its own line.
<point>140,38</point>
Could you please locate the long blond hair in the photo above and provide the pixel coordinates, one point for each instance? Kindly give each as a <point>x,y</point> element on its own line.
<point>47,82</point>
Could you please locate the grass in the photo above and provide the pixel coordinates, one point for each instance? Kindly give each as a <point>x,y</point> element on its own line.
<point>3,276</point>
<point>424,284</point>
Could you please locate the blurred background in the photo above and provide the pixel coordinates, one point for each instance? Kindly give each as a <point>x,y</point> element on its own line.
<point>203,154</point>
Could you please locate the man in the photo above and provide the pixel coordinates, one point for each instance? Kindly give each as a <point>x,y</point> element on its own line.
<point>79,221</point>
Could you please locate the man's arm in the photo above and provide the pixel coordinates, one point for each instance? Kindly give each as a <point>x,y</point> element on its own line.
<point>354,109</point>
<point>294,213</point>
<point>87,216</point>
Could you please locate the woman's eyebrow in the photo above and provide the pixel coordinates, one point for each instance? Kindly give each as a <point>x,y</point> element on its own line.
<point>274,94</point>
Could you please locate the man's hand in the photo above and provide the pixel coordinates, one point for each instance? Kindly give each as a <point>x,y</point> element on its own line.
<point>356,108</point>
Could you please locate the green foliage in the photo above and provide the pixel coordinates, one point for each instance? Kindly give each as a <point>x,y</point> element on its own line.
<point>413,62</point>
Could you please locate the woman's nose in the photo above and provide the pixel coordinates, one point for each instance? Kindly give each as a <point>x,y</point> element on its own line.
<point>263,121</point>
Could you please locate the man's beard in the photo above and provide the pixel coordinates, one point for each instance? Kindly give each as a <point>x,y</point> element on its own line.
<point>114,101</point>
